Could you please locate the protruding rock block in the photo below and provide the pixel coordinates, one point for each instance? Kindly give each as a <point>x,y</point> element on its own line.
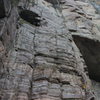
<point>70,92</point>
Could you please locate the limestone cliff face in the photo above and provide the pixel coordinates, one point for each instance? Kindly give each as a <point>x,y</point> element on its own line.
<point>49,50</point>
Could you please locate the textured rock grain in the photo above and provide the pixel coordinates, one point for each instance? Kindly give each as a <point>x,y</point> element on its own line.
<point>39,59</point>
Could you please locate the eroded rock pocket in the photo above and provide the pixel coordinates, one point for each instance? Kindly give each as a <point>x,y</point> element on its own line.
<point>90,50</point>
<point>31,17</point>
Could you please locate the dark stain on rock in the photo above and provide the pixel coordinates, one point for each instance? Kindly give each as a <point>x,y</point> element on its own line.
<point>30,17</point>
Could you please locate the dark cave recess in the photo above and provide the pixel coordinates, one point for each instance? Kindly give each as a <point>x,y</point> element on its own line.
<point>31,17</point>
<point>5,8</point>
<point>2,9</point>
<point>56,2</point>
<point>90,49</point>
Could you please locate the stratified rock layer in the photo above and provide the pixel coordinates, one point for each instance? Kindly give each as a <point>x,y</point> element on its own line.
<point>39,59</point>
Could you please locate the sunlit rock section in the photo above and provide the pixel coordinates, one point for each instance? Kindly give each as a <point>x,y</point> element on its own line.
<point>96,86</point>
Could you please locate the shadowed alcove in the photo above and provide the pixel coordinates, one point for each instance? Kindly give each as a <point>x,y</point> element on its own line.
<point>90,50</point>
<point>31,17</point>
<point>53,1</point>
<point>56,2</point>
<point>2,9</point>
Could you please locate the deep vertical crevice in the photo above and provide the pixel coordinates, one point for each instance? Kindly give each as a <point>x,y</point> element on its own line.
<point>2,9</point>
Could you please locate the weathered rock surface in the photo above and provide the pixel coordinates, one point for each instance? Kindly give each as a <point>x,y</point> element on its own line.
<point>42,55</point>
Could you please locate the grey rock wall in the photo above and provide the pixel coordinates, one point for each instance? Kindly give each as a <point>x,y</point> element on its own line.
<point>39,58</point>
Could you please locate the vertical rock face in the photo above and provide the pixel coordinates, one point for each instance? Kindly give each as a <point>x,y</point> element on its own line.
<point>45,52</point>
